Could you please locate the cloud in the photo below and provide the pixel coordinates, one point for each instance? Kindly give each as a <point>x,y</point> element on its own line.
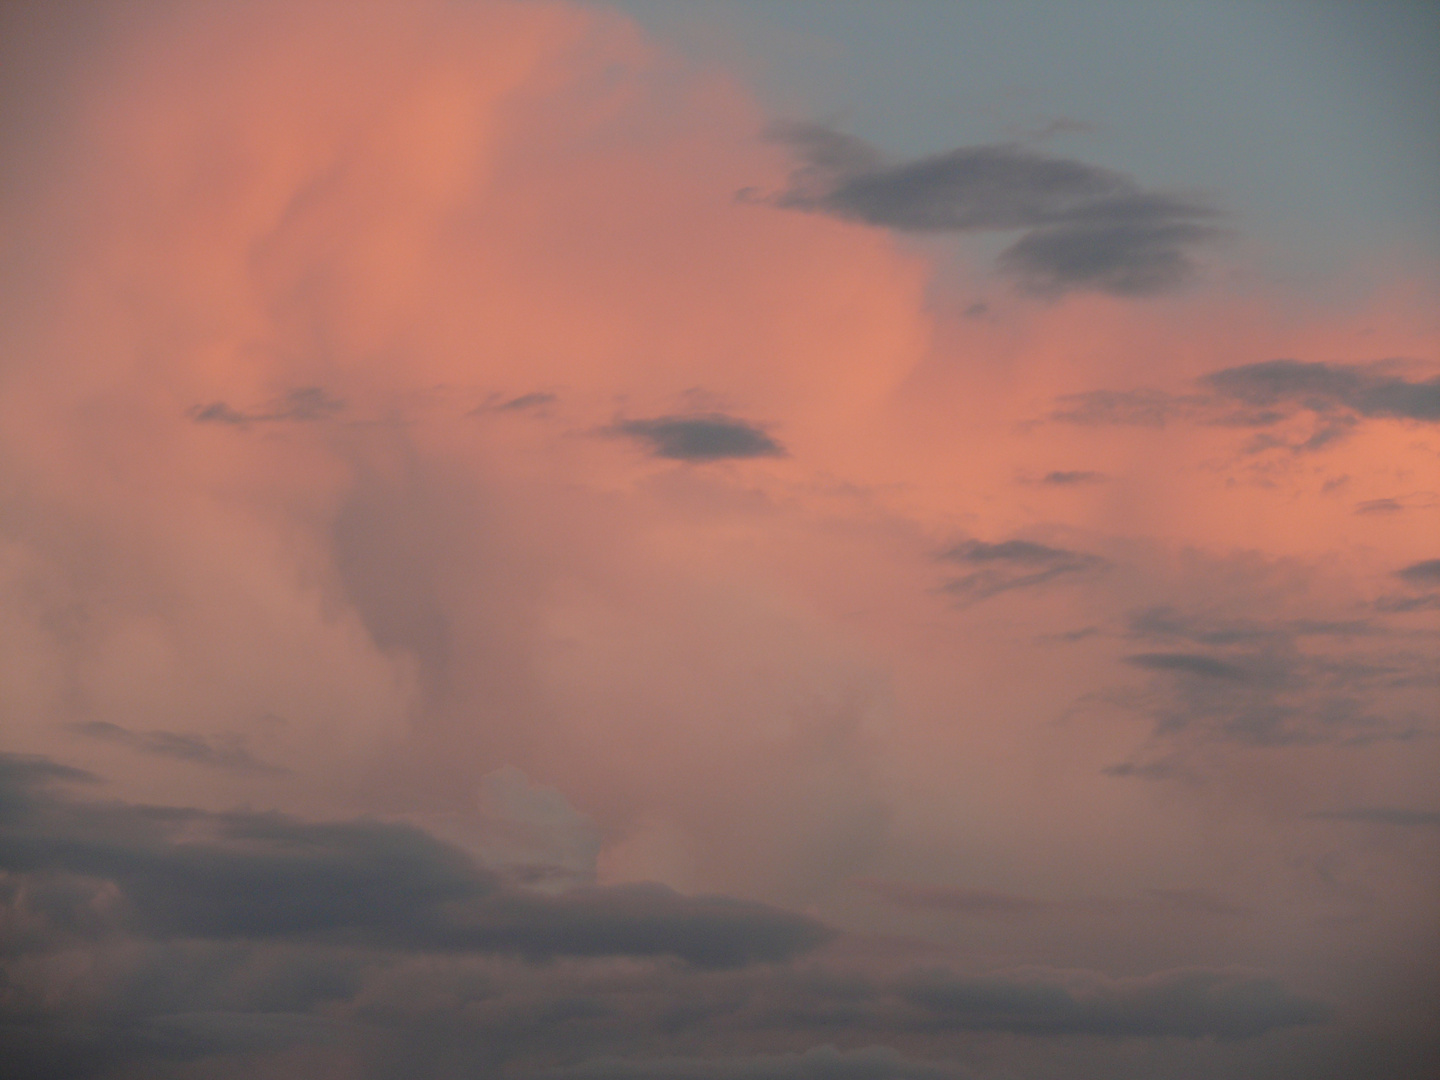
<point>1206,667</point>
<point>1194,1004</point>
<point>1266,394</point>
<point>305,404</point>
<point>710,437</point>
<point>1382,815</point>
<point>1271,682</point>
<point>1426,572</point>
<point>1015,564</point>
<point>1365,389</point>
<point>1085,227</point>
<point>187,873</point>
<point>1069,478</point>
<point>817,1063</point>
<point>979,902</point>
<point>182,746</point>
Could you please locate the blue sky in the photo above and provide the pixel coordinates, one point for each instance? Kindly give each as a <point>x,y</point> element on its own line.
<point>1316,124</point>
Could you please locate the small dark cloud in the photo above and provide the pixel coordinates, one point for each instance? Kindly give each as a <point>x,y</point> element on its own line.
<point>1069,637</point>
<point>304,404</point>
<point>498,403</point>
<point>945,898</point>
<point>707,437</point>
<point>526,401</point>
<point>1382,815</point>
<point>1192,1004</point>
<point>1206,667</point>
<point>1379,506</point>
<point>817,1063</point>
<point>1083,227</point>
<point>1014,564</point>
<point>179,745</point>
<point>1421,573</point>
<point>1071,478</point>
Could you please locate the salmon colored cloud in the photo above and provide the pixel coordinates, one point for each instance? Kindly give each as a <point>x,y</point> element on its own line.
<point>401,415</point>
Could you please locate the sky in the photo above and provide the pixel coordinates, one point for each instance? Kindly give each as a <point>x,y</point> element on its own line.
<point>722,541</point>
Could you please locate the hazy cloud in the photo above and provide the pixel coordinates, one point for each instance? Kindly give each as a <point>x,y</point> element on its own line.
<point>1187,1003</point>
<point>817,1063</point>
<point>953,900</point>
<point>1084,226</point>
<point>1206,667</point>
<point>1362,388</point>
<point>710,437</point>
<point>179,745</point>
<point>1382,815</point>
<point>1280,682</point>
<point>1265,394</point>
<point>306,403</point>
<point>1421,573</point>
<point>1014,564</point>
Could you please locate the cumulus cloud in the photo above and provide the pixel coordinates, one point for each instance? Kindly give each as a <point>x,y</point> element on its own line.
<point>1084,227</point>
<point>709,437</point>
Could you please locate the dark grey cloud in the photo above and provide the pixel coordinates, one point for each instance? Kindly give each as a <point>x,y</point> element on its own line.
<point>1383,815</point>
<point>306,403</point>
<point>1068,478</point>
<point>220,941</point>
<point>707,437</point>
<point>185,873</point>
<point>1193,1004</point>
<point>1084,226</point>
<point>817,1063</point>
<point>1014,564</point>
<point>179,745</point>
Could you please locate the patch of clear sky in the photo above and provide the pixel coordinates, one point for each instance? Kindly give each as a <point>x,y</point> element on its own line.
<point>1315,122</point>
